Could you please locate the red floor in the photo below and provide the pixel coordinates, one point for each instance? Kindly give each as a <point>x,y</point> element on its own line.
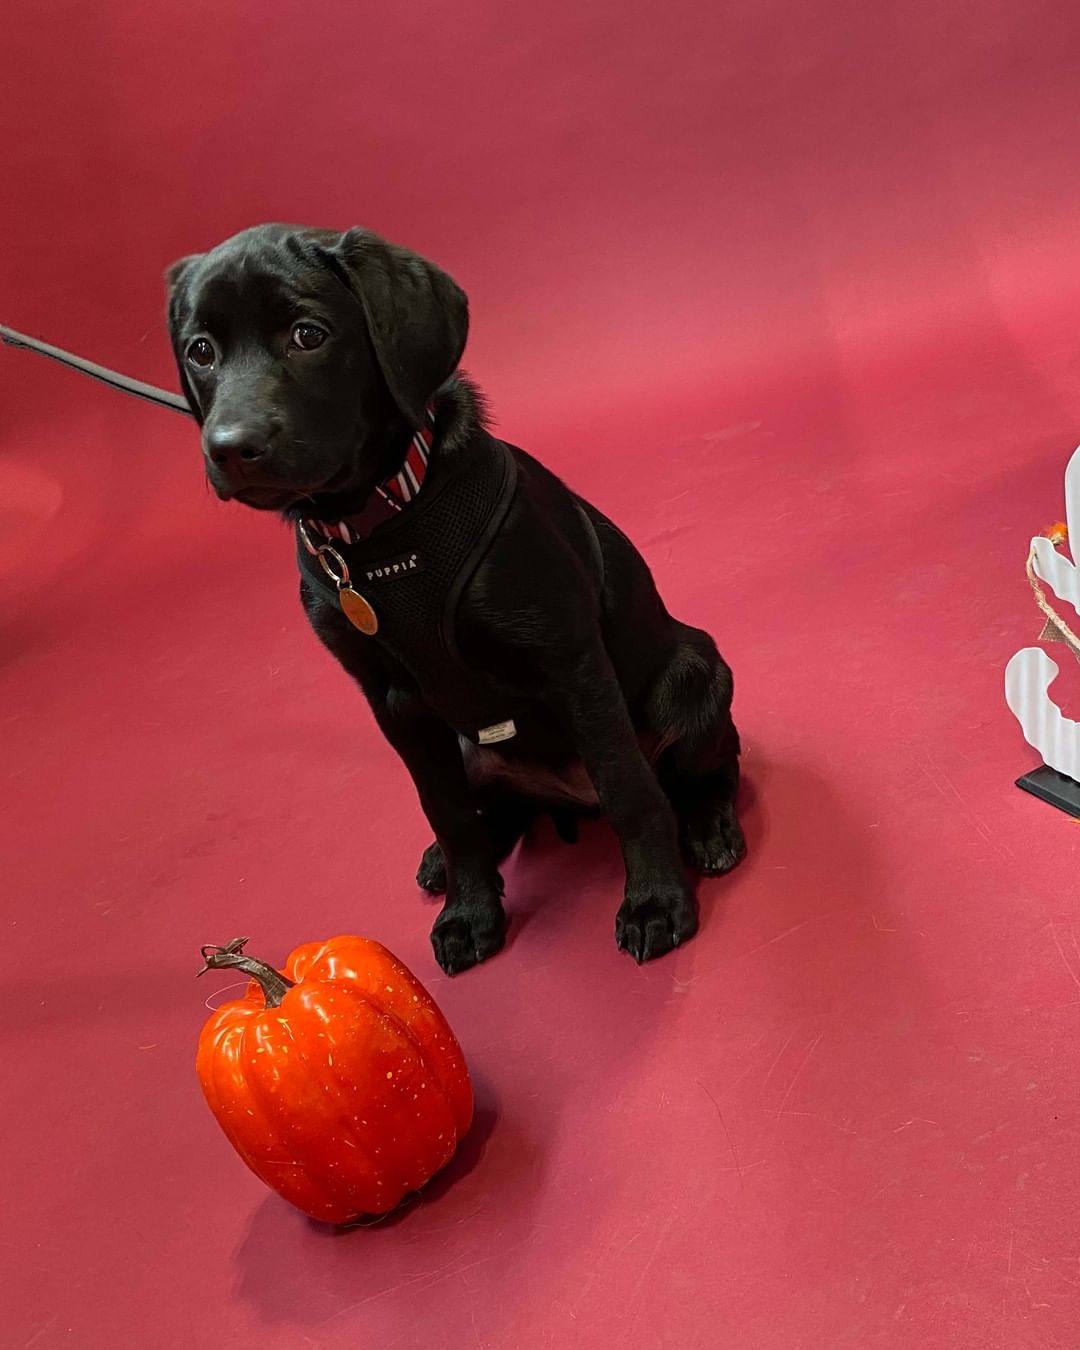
<point>791,291</point>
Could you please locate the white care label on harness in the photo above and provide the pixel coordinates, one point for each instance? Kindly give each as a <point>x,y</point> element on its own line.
<point>501,731</point>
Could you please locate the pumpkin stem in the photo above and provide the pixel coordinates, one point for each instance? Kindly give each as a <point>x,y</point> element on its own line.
<point>231,957</point>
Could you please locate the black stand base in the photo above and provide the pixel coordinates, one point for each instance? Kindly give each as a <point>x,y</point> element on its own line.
<point>1053,787</point>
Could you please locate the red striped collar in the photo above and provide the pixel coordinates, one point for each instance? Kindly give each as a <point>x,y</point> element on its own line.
<point>389,498</point>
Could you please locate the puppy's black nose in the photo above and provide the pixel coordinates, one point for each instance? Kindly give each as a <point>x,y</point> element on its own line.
<point>230,446</point>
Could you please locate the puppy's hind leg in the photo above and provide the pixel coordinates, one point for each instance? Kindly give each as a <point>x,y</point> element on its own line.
<point>689,709</point>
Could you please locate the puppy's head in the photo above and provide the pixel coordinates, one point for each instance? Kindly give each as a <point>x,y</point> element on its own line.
<point>308,358</point>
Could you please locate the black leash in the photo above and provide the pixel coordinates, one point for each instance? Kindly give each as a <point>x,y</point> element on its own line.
<point>149,393</point>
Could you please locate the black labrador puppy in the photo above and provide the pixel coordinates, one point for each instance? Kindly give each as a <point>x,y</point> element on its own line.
<point>509,637</point>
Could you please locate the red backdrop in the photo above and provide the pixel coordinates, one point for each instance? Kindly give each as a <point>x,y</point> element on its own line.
<point>791,291</point>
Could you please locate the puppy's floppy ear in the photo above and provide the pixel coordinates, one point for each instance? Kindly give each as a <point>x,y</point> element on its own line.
<point>175,288</point>
<point>176,278</point>
<point>417,316</point>
<point>175,271</point>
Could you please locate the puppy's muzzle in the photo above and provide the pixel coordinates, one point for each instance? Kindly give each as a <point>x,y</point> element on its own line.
<point>234,449</point>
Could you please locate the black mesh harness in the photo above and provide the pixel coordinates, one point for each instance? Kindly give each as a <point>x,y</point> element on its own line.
<point>413,569</point>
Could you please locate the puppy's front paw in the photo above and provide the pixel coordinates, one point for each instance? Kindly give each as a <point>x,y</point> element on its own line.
<point>653,921</point>
<point>431,874</point>
<point>463,937</point>
<point>712,840</point>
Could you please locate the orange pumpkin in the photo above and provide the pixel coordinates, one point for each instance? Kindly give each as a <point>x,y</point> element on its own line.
<point>339,1082</point>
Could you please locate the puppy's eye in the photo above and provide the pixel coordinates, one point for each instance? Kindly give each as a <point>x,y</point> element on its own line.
<point>308,336</point>
<point>200,353</point>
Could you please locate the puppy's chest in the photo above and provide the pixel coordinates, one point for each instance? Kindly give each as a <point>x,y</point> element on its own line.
<point>553,774</point>
<point>511,721</point>
<point>405,582</point>
<point>537,779</point>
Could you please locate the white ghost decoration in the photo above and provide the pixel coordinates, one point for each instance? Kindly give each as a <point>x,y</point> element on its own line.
<point>1030,673</point>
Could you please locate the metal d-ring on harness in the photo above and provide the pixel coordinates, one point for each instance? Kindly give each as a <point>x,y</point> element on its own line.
<point>353,605</point>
